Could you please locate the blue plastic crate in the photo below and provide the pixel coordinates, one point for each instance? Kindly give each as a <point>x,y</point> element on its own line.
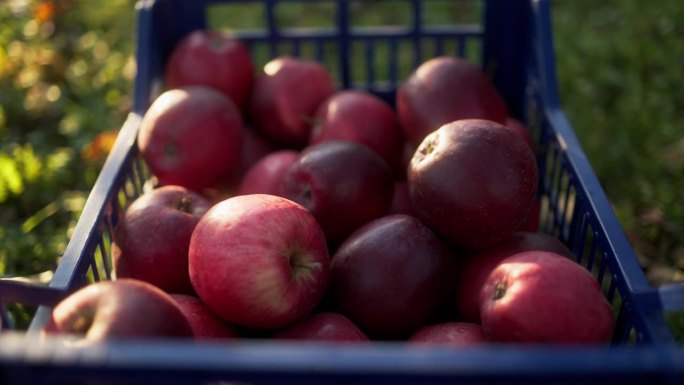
<point>512,41</point>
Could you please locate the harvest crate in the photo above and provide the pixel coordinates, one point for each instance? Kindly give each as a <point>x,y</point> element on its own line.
<point>512,41</point>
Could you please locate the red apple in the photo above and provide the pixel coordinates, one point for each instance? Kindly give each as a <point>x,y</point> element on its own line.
<point>152,239</point>
<point>442,90</point>
<point>391,276</point>
<point>259,261</point>
<point>541,297</point>
<point>286,96</point>
<point>204,323</point>
<point>323,327</point>
<point>360,117</point>
<point>475,267</point>
<point>266,176</point>
<point>125,308</point>
<point>191,137</point>
<point>214,59</point>
<point>473,182</point>
<point>455,334</point>
<point>344,185</point>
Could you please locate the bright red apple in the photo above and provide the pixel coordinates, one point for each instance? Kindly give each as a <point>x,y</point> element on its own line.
<point>360,117</point>
<point>455,334</point>
<point>214,59</point>
<point>442,90</point>
<point>285,98</point>
<point>266,176</point>
<point>391,276</point>
<point>473,182</point>
<point>125,308</point>
<point>475,267</point>
<point>191,137</point>
<point>259,261</point>
<point>204,323</point>
<point>332,327</point>
<point>541,297</point>
<point>344,185</point>
<point>151,241</point>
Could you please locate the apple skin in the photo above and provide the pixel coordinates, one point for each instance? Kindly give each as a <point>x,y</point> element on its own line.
<point>391,276</point>
<point>454,334</point>
<point>475,267</point>
<point>519,128</point>
<point>344,184</point>
<point>328,326</point>
<point>266,176</point>
<point>259,261</point>
<point>214,59</point>
<point>442,90</point>
<point>152,239</point>
<point>285,97</point>
<point>541,297</point>
<point>473,182</point>
<point>191,137</point>
<point>360,117</point>
<point>204,323</point>
<point>120,309</point>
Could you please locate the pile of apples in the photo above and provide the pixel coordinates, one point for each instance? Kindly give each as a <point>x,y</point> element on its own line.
<point>288,209</point>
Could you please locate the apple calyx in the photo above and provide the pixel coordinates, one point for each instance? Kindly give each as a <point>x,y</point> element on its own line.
<point>170,150</point>
<point>185,204</point>
<point>83,322</point>
<point>500,291</point>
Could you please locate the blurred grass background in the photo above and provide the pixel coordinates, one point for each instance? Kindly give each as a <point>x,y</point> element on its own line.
<point>66,71</point>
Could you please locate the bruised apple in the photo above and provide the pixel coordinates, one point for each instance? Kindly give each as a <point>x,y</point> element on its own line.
<point>473,182</point>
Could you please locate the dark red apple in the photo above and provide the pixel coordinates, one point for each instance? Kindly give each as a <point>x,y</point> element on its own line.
<point>475,267</point>
<point>455,334</point>
<point>344,185</point>
<point>473,182</point>
<point>125,308</point>
<point>152,239</point>
<point>191,137</point>
<point>285,98</point>
<point>214,59</point>
<point>541,297</point>
<point>266,176</point>
<point>360,117</point>
<point>442,90</point>
<point>332,327</point>
<point>401,202</point>
<point>259,261</point>
<point>204,323</point>
<point>519,128</point>
<point>391,276</point>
